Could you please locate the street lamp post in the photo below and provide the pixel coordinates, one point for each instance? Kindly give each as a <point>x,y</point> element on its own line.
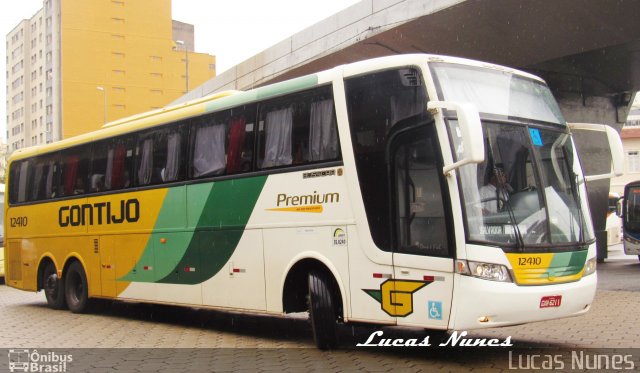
<point>104,93</point>
<point>186,63</point>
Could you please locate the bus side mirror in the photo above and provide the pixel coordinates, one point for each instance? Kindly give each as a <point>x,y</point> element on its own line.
<point>471,132</point>
<point>619,207</point>
<point>615,147</point>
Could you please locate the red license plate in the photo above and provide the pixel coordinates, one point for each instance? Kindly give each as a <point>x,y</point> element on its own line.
<point>551,301</point>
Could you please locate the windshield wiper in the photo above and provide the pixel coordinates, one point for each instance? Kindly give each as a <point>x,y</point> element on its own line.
<point>512,217</point>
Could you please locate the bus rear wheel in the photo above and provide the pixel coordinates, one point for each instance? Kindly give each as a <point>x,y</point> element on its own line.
<point>322,310</point>
<point>76,289</point>
<point>53,287</point>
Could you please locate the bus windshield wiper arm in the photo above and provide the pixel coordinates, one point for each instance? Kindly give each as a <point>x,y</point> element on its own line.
<point>512,217</point>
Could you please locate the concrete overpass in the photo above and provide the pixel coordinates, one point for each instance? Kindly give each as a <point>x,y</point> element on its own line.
<point>587,50</point>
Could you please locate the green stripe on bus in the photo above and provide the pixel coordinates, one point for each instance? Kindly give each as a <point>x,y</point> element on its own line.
<point>567,264</point>
<point>163,257</point>
<point>294,85</point>
<point>224,216</point>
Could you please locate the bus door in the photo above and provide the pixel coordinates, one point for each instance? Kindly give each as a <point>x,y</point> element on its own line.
<point>422,257</point>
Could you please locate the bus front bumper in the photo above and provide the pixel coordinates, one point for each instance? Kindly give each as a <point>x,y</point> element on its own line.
<point>631,246</point>
<point>485,304</point>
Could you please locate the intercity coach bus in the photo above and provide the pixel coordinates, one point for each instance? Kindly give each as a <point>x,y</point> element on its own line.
<point>357,194</point>
<point>631,219</point>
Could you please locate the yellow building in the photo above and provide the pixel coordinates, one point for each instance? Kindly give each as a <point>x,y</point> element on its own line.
<point>77,63</point>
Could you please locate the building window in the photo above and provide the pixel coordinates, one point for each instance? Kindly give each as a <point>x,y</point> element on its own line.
<point>634,161</point>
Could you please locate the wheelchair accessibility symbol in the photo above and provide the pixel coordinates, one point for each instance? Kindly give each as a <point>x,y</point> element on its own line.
<point>435,310</point>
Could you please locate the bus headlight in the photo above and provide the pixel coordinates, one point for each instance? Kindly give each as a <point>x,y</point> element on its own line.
<point>487,271</point>
<point>590,267</point>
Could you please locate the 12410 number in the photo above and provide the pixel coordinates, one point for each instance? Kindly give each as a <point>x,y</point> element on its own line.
<point>530,261</point>
<point>20,221</point>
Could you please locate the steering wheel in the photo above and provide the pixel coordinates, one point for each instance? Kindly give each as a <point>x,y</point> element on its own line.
<point>530,188</point>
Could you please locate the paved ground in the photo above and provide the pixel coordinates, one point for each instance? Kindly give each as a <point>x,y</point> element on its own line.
<point>138,337</point>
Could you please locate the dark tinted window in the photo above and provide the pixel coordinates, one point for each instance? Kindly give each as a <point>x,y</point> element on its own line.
<point>75,164</point>
<point>112,165</point>
<point>18,181</point>
<point>122,169</point>
<point>417,180</point>
<point>43,177</point>
<point>378,105</point>
<point>222,143</point>
<point>161,155</point>
<point>298,129</point>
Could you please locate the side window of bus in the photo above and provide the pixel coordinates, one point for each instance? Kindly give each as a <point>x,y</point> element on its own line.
<point>209,145</point>
<point>99,159</point>
<point>122,168</point>
<point>75,171</point>
<point>297,129</point>
<point>240,139</point>
<point>18,184</point>
<point>160,155</point>
<point>111,165</point>
<point>222,143</point>
<point>14,182</point>
<point>42,177</point>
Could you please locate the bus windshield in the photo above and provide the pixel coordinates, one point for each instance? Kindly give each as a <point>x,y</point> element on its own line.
<point>497,92</point>
<point>527,192</point>
<point>632,215</point>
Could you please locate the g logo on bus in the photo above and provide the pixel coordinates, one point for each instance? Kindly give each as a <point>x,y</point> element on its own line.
<point>396,296</point>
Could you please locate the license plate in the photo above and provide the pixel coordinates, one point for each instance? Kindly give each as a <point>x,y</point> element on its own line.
<point>551,301</point>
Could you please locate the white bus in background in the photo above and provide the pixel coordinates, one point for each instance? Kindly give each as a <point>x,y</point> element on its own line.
<point>2,234</point>
<point>614,223</point>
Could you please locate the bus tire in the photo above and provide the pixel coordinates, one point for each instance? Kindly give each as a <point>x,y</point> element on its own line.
<point>76,288</point>
<point>322,310</point>
<point>53,288</point>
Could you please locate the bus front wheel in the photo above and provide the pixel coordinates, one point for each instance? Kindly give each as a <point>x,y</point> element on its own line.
<point>76,289</point>
<point>53,288</point>
<point>322,310</point>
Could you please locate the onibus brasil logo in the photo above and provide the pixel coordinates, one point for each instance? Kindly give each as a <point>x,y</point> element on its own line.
<point>24,360</point>
<point>396,296</point>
